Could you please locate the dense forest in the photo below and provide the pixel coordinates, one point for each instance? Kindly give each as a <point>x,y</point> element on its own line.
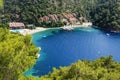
<point>103,13</point>
<point>1,3</point>
<point>1,9</point>
<point>17,54</point>
<point>31,11</point>
<point>107,16</point>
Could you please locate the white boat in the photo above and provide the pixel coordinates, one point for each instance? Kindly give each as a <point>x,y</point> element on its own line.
<point>108,34</point>
<point>44,36</point>
<point>38,55</point>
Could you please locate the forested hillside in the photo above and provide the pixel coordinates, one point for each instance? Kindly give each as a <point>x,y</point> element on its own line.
<point>31,11</point>
<point>1,10</point>
<point>50,13</point>
<point>107,16</point>
<point>1,3</point>
<point>17,54</point>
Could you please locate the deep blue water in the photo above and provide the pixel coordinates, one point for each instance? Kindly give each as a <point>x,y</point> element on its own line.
<point>61,48</point>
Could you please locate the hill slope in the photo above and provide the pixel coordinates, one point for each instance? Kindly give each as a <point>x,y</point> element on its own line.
<point>1,3</point>
<point>50,11</point>
<point>107,16</point>
<point>31,11</point>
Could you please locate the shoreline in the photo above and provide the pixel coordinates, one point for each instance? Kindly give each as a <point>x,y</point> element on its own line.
<point>68,27</point>
<point>107,30</point>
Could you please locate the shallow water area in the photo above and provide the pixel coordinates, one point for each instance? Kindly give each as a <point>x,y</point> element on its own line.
<point>17,30</point>
<point>61,48</point>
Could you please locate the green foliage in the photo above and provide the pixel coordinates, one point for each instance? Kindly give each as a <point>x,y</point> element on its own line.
<point>87,70</point>
<point>1,3</point>
<point>52,24</point>
<point>17,54</point>
<point>104,13</point>
<point>104,68</point>
<point>107,15</point>
<point>31,10</point>
<point>3,25</point>
<point>1,10</point>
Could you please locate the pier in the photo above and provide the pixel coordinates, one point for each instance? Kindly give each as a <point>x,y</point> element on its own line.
<point>68,27</point>
<point>71,27</point>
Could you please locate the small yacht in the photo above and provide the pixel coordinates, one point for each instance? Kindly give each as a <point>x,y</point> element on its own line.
<point>108,34</point>
<point>37,55</point>
<point>44,36</point>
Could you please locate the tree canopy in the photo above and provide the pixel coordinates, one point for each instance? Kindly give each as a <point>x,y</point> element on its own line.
<point>107,16</point>
<point>103,13</point>
<point>17,54</point>
<point>1,3</point>
<point>30,11</point>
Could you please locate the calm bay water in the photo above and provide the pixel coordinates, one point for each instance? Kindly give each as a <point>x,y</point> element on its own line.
<point>61,48</point>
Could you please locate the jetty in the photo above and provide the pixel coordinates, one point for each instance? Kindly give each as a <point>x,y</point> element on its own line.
<point>24,31</point>
<point>68,27</point>
<point>71,27</point>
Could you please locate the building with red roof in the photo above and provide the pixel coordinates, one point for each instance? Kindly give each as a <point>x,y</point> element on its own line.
<point>16,25</point>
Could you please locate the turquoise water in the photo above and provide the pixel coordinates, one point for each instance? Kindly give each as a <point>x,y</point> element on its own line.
<point>61,48</point>
<point>18,30</point>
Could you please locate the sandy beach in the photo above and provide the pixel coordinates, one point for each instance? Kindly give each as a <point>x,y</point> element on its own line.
<point>69,27</point>
<point>37,29</point>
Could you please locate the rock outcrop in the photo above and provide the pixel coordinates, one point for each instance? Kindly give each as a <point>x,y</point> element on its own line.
<point>69,18</point>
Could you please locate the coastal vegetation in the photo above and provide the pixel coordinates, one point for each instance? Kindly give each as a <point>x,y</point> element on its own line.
<point>4,26</point>
<point>31,12</point>
<point>104,68</point>
<point>1,3</point>
<point>1,9</point>
<point>55,13</point>
<point>17,54</point>
<point>107,16</point>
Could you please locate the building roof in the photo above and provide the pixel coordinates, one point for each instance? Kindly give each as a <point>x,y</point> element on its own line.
<point>72,20</point>
<point>29,25</point>
<point>16,24</point>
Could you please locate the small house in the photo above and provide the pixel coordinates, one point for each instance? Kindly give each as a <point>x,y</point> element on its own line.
<point>16,25</point>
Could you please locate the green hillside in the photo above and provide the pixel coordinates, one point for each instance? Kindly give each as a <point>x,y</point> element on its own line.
<point>103,13</point>
<point>21,53</point>
<point>1,3</point>
<point>30,12</point>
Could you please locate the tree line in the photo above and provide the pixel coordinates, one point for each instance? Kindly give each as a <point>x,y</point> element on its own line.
<point>103,13</point>
<point>30,11</point>
<point>17,54</point>
<point>107,16</point>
